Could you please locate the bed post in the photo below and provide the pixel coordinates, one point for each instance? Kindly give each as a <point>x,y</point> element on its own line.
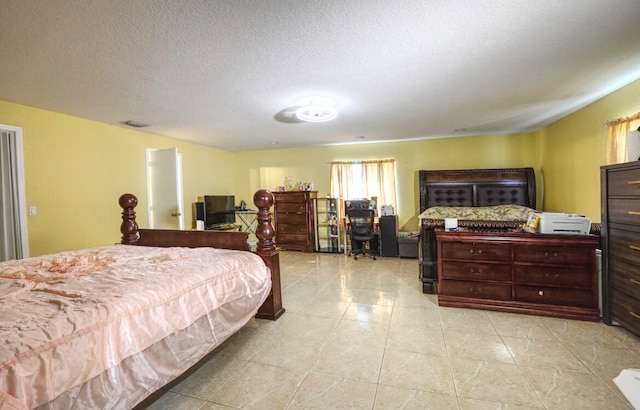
<point>129,226</point>
<point>272,307</point>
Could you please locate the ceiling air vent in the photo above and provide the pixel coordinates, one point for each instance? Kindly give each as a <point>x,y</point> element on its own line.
<point>135,124</point>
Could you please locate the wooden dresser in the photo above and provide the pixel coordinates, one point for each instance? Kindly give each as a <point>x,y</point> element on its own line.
<point>621,245</point>
<point>295,220</point>
<point>551,275</point>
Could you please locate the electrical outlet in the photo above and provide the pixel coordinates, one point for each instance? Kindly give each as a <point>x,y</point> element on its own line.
<point>32,211</point>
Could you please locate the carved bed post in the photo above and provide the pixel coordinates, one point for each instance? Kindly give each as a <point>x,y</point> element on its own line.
<point>272,308</point>
<point>129,226</point>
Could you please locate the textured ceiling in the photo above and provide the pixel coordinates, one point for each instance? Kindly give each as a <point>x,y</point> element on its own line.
<point>228,73</point>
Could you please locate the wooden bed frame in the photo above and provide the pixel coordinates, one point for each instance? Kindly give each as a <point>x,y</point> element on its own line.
<point>263,199</point>
<point>469,188</point>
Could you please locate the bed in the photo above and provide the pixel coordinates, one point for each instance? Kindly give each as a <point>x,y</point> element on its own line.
<point>483,200</point>
<point>106,327</point>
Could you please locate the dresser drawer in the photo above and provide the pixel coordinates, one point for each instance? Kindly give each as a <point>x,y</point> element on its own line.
<point>291,229</point>
<point>291,207</point>
<point>476,271</point>
<point>624,211</point>
<point>624,245</point>
<point>555,296</point>
<point>292,219</point>
<point>476,251</point>
<point>625,277</point>
<point>626,311</point>
<point>624,182</point>
<point>554,276</point>
<point>292,239</point>
<point>477,290</point>
<point>291,196</point>
<point>553,254</point>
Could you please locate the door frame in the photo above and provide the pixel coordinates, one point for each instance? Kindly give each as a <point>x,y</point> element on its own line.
<point>19,218</point>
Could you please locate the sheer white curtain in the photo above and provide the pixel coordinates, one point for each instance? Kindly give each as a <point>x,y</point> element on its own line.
<point>617,138</point>
<point>365,179</point>
<point>13,225</point>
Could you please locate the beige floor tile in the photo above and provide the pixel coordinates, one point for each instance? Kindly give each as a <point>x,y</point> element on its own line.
<point>580,331</point>
<point>295,354</point>
<point>325,308</point>
<point>365,312</point>
<point>244,344</point>
<point>391,397</point>
<point>520,325</point>
<point>358,360</point>
<point>310,327</point>
<point>473,404</point>
<point>472,320</point>
<point>354,331</point>
<point>209,377</point>
<point>466,345</point>
<point>259,386</point>
<point>605,359</point>
<point>374,297</point>
<point>562,389</point>
<point>543,353</point>
<point>416,371</point>
<point>417,339</point>
<point>415,316</point>
<point>491,381</point>
<point>321,391</point>
<point>174,401</point>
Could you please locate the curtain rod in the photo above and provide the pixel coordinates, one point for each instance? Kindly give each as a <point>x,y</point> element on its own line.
<point>617,121</point>
<point>370,161</point>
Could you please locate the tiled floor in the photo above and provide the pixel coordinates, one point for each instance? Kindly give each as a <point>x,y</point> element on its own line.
<point>361,335</point>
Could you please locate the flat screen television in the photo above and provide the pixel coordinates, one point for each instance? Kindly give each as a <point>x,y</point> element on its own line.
<point>219,210</point>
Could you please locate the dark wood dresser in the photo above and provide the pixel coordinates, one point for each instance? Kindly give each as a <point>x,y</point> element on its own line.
<point>551,275</point>
<point>295,220</point>
<point>621,245</point>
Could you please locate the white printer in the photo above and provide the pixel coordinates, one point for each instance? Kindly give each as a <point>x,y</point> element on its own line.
<point>560,223</point>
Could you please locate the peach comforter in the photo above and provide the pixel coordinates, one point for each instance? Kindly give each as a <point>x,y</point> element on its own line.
<point>105,327</point>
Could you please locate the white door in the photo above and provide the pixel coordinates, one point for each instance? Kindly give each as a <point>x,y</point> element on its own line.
<point>164,189</point>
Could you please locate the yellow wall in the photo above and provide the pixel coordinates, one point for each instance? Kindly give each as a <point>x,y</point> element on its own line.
<point>574,148</point>
<point>267,169</point>
<point>75,170</point>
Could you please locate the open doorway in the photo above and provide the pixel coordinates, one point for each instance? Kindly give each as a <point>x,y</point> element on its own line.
<point>164,189</point>
<point>13,219</point>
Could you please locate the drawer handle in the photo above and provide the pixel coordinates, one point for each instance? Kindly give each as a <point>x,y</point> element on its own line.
<point>636,182</point>
<point>635,281</point>
<point>478,252</point>
<point>475,272</point>
<point>634,314</point>
<point>540,293</point>
<point>635,248</point>
<point>634,212</point>
<point>547,254</point>
<point>475,291</point>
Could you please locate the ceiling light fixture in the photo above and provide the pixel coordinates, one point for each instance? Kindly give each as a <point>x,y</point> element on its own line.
<point>316,113</point>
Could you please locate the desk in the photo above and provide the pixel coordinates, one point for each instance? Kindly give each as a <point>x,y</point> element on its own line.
<point>249,220</point>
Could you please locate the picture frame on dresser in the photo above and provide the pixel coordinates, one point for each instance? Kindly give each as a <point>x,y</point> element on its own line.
<point>620,241</point>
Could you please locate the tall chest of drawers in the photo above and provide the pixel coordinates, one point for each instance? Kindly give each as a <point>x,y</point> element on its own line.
<point>552,275</point>
<point>621,244</point>
<point>295,216</point>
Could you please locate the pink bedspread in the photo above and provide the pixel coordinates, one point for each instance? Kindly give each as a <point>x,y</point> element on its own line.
<point>68,318</point>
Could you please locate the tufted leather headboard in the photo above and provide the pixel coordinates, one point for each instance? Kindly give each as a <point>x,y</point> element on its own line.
<point>477,187</point>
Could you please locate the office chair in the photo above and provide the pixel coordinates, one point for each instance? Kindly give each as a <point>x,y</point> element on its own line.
<point>361,231</point>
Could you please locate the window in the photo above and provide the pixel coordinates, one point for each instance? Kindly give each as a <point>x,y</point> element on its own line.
<point>364,179</point>
<point>617,138</point>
